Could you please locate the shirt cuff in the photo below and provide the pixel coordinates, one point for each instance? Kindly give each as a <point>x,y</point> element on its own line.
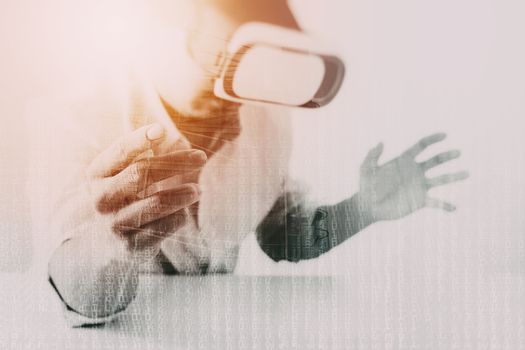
<point>75,319</point>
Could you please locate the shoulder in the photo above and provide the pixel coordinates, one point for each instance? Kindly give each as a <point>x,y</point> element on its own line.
<point>96,116</point>
<point>82,117</point>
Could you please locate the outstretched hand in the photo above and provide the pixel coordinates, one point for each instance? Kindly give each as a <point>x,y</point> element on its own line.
<point>399,187</point>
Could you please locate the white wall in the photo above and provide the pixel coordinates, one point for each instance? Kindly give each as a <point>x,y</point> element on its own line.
<point>415,68</point>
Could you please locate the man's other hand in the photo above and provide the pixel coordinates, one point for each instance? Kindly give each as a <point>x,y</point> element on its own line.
<point>400,187</point>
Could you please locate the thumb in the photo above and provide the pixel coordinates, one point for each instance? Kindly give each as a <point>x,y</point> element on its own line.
<point>372,158</point>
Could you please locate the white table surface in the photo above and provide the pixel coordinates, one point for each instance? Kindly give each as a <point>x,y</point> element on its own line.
<point>228,311</point>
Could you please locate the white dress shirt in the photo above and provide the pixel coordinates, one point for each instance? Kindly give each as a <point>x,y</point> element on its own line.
<point>239,183</point>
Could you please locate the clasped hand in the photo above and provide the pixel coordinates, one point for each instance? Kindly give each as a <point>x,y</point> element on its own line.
<point>132,199</point>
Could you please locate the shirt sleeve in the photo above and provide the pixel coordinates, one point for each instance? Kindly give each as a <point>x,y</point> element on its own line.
<point>63,142</point>
<point>295,229</point>
<point>75,319</point>
<point>291,230</point>
<point>62,146</point>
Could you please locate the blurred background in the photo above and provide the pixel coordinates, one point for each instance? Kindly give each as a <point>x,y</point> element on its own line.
<point>415,68</point>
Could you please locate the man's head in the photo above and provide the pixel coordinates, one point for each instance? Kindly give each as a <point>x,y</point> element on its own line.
<point>184,75</point>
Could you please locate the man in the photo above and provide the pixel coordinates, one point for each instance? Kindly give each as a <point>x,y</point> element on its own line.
<point>186,181</point>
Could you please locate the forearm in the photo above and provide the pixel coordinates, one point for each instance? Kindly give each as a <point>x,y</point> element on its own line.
<point>343,220</point>
<point>292,233</point>
<point>94,281</point>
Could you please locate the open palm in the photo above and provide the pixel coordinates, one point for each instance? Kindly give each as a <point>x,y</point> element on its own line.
<point>399,187</point>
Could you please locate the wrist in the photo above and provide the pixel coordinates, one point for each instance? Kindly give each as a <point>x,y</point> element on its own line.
<point>126,249</point>
<point>138,253</point>
<point>350,216</point>
<point>364,210</point>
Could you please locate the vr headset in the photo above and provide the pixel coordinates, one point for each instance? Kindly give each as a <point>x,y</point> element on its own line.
<point>267,64</point>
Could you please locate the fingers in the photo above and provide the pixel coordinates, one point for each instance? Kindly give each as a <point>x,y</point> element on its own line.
<point>372,158</point>
<point>153,169</point>
<point>175,163</point>
<point>151,234</point>
<point>443,180</point>
<point>168,225</point>
<point>169,183</point>
<point>440,159</point>
<point>446,179</point>
<point>121,153</point>
<point>439,204</point>
<point>125,187</point>
<point>144,241</point>
<point>424,143</point>
<point>156,207</point>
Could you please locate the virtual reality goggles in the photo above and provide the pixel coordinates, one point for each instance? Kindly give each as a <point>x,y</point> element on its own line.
<point>267,64</point>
